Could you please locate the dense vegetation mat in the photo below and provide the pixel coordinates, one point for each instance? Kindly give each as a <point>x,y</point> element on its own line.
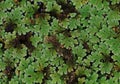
<point>59,41</point>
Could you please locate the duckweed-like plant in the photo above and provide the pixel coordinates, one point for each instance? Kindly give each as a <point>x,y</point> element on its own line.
<point>59,41</point>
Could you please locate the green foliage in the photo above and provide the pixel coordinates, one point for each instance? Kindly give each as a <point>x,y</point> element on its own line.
<point>79,3</point>
<point>115,1</point>
<point>59,41</point>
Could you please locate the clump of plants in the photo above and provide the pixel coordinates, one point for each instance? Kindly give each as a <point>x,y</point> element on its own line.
<point>59,41</point>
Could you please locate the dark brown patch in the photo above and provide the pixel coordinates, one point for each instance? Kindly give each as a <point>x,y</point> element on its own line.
<point>32,21</point>
<point>3,44</point>
<point>67,7</point>
<point>86,46</point>
<point>10,27</point>
<point>17,1</point>
<point>116,67</point>
<point>88,50</point>
<point>115,7</point>
<point>66,54</point>
<point>116,29</point>
<point>60,16</point>
<point>53,13</point>
<point>9,71</point>
<point>23,39</point>
<point>107,58</point>
<point>40,12</point>
<point>53,41</point>
<point>65,32</point>
<point>71,78</point>
<point>1,0</point>
<point>46,72</point>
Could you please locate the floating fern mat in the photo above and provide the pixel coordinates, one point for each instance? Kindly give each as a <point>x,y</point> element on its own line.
<point>59,41</point>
